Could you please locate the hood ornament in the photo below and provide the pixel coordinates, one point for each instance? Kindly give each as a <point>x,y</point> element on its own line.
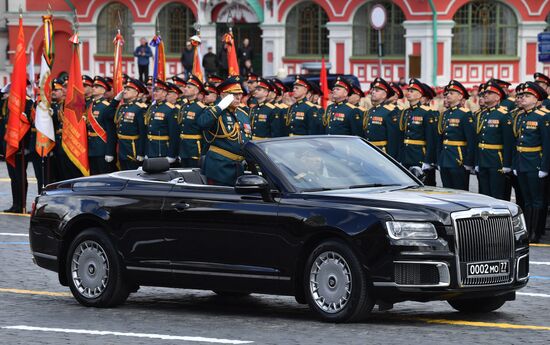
<point>484,215</point>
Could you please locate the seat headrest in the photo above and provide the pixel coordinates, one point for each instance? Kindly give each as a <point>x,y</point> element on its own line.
<point>156,165</point>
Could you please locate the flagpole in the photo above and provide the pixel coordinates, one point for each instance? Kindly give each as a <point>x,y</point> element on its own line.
<point>43,168</point>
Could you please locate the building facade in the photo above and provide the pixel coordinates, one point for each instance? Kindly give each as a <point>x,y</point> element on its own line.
<point>474,40</point>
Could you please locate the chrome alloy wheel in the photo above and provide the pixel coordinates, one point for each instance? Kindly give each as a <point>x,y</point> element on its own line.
<point>90,269</point>
<point>330,282</point>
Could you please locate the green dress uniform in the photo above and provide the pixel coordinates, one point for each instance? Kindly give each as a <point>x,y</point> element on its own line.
<point>279,128</point>
<point>419,127</point>
<point>495,142</point>
<point>509,103</point>
<point>302,118</point>
<point>225,132</point>
<point>103,112</point>
<point>131,134</point>
<point>263,121</point>
<point>342,118</point>
<point>457,142</point>
<point>546,103</point>
<point>381,128</point>
<point>163,132</point>
<point>192,141</point>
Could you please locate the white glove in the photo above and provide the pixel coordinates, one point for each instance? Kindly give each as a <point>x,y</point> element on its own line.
<point>171,160</point>
<point>139,158</point>
<point>515,172</point>
<point>6,88</point>
<point>226,101</point>
<point>426,166</point>
<point>542,174</point>
<point>467,167</point>
<point>118,97</point>
<point>476,169</point>
<point>109,159</point>
<point>506,170</point>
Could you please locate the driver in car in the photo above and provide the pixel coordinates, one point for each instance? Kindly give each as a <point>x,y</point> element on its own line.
<point>314,168</point>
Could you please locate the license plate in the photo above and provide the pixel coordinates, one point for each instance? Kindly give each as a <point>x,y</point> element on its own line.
<point>487,269</point>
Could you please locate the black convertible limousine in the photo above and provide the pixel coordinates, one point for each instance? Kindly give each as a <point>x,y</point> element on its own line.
<point>330,220</point>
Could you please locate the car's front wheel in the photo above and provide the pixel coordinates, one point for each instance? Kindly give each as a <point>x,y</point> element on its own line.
<point>94,270</point>
<point>478,305</point>
<point>336,286</point>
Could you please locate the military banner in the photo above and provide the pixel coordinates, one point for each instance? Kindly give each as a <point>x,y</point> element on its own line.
<point>232,63</point>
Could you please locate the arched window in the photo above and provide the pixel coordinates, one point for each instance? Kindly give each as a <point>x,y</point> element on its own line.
<point>306,30</point>
<point>365,38</point>
<point>485,28</point>
<point>175,23</point>
<point>112,17</point>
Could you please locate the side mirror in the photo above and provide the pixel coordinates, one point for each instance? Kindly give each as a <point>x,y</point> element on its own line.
<point>251,184</point>
<point>418,173</point>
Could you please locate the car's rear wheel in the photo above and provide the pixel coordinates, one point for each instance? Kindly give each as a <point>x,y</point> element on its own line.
<point>336,286</point>
<point>478,305</point>
<point>94,270</point>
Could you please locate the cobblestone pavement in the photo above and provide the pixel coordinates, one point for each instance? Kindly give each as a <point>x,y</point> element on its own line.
<point>32,297</point>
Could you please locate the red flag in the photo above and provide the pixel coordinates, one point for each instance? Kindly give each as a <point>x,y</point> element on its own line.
<point>323,80</point>
<point>232,64</point>
<point>18,123</point>
<point>197,65</point>
<point>117,73</point>
<point>75,135</point>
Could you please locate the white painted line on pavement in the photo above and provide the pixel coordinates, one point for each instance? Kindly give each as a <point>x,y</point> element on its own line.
<point>13,234</point>
<point>533,294</point>
<point>539,263</point>
<point>123,334</point>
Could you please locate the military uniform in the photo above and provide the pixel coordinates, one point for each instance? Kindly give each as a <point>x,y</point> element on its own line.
<point>263,121</point>
<point>302,118</point>
<point>102,135</point>
<point>131,134</point>
<point>279,128</point>
<point>381,128</point>
<point>419,127</point>
<point>342,118</point>
<point>192,143</point>
<point>494,152</point>
<point>532,157</point>
<point>226,132</point>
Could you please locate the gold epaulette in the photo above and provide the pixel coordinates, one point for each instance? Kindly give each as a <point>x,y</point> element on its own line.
<point>390,107</point>
<point>178,106</point>
<point>170,105</point>
<point>200,104</point>
<point>503,110</point>
<point>362,108</point>
<point>310,103</point>
<point>466,110</point>
<point>270,106</point>
<point>106,102</point>
<point>540,112</point>
<point>513,99</point>
<point>546,110</point>
<point>425,107</point>
<point>141,104</point>
<point>350,105</point>
<point>281,106</point>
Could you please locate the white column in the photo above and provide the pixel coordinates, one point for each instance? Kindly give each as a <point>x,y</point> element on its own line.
<point>527,33</point>
<point>340,32</point>
<point>273,36</point>
<point>422,32</point>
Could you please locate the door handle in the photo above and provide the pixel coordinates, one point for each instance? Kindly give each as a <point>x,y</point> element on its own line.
<point>180,206</point>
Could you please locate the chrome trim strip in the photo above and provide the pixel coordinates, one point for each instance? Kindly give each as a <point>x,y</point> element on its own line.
<point>45,256</point>
<point>517,269</point>
<point>206,273</point>
<point>477,213</point>
<point>442,268</point>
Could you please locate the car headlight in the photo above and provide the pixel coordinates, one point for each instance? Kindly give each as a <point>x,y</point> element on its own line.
<point>519,224</point>
<point>411,230</point>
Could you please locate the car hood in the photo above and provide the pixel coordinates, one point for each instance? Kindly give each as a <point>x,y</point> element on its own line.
<point>417,203</point>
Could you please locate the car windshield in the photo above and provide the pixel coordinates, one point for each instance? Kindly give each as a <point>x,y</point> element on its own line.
<point>326,163</point>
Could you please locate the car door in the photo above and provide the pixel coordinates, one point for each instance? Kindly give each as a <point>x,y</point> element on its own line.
<point>225,240</point>
<point>144,243</point>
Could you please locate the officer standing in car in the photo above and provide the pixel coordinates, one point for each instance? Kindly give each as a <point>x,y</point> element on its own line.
<point>161,120</point>
<point>419,127</point>
<point>227,129</point>
<point>130,126</point>
<point>495,141</point>
<point>380,125</point>
<point>341,117</point>
<point>457,139</point>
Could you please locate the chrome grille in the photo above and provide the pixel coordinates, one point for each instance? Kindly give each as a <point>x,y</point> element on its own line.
<point>490,238</point>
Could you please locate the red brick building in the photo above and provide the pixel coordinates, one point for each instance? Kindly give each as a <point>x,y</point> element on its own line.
<point>476,39</point>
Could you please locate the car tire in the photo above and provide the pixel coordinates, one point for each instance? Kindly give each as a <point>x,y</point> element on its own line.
<point>94,270</point>
<point>336,287</point>
<point>231,293</point>
<point>478,305</point>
